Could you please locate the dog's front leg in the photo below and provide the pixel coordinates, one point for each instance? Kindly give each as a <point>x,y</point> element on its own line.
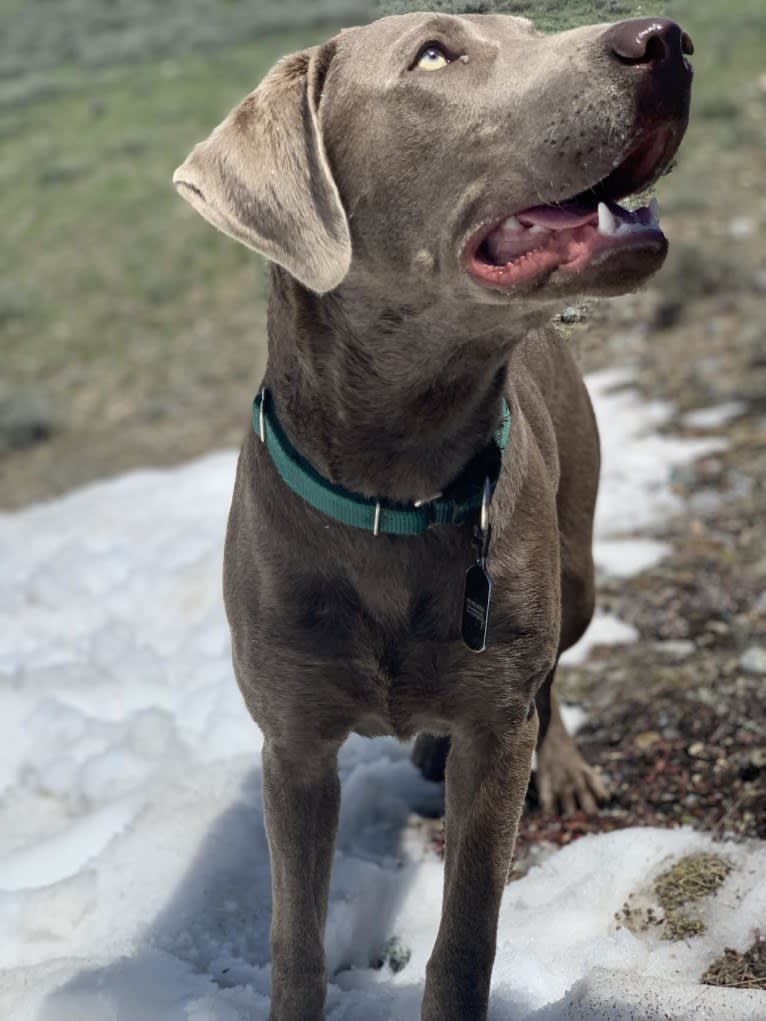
<point>487,779</point>
<point>301,800</point>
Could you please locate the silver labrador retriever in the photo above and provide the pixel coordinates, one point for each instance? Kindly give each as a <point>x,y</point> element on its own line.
<point>430,189</point>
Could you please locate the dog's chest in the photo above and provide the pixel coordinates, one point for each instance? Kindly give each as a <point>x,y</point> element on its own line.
<point>376,625</point>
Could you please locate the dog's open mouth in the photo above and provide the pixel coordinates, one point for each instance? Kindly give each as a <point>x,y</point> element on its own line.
<point>576,232</point>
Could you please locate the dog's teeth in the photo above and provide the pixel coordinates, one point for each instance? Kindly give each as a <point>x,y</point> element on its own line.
<point>628,227</point>
<point>606,221</point>
<point>536,229</point>
<point>512,224</point>
<point>654,210</point>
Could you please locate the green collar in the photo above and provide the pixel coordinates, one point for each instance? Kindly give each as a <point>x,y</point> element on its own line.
<point>460,504</point>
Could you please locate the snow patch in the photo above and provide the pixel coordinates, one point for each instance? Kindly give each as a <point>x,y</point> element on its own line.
<point>134,871</point>
<point>715,417</point>
<point>605,629</point>
<point>58,857</point>
<point>636,463</point>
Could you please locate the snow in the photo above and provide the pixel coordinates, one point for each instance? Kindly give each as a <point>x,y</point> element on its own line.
<point>134,873</point>
<point>714,417</point>
<point>635,494</point>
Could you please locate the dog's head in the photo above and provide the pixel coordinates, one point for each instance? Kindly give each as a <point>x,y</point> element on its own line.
<point>463,153</point>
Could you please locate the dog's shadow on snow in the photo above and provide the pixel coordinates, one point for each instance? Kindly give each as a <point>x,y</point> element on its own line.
<point>213,932</point>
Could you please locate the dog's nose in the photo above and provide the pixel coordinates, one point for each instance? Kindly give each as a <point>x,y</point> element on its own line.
<point>648,41</point>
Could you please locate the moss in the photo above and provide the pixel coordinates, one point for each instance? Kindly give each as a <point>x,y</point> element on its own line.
<point>739,971</point>
<point>691,879</point>
<point>680,925</point>
<point>396,955</point>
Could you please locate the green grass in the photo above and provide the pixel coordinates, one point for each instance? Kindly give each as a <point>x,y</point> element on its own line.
<point>548,15</point>
<point>727,113</point>
<point>107,266</point>
<point>114,294</point>
<point>730,44</point>
<point>116,300</point>
<point>100,33</point>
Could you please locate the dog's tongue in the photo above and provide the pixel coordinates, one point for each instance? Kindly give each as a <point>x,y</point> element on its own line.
<point>536,228</point>
<point>563,217</point>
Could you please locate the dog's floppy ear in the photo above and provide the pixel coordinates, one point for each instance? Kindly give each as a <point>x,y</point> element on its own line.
<point>263,177</point>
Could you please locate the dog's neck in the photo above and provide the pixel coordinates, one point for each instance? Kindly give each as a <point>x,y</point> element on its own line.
<point>393,402</point>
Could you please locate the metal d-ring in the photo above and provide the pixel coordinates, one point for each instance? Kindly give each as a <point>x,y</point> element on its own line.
<point>376,523</point>
<point>262,415</point>
<point>486,499</point>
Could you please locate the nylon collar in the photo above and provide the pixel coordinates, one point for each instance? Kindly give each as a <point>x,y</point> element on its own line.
<point>460,504</point>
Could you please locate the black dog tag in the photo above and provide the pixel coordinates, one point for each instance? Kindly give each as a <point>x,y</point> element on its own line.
<point>478,595</point>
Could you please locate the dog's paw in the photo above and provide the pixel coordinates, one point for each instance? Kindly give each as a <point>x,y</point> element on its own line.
<point>565,782</point>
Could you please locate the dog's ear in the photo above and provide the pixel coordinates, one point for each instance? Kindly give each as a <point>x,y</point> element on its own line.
<point>263,177</point>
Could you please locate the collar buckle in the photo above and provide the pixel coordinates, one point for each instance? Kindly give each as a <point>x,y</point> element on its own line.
<point>428,506</point>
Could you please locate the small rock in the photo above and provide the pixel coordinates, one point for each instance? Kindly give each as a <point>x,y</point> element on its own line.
<point>396,955</point>
<point>667,315</point>
<point>705,501</point>
<point>742,227</point>
<point>683,475</point>
<point>718,627</point>
<point>573,314</point>
<point>24,422</point>
<point>696,750</point>
<point>675,650</point>
<point>646,739</point>
<point>751,769</point>
<point>753,661</point>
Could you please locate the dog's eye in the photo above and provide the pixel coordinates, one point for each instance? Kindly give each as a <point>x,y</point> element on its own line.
<point>432,58</point>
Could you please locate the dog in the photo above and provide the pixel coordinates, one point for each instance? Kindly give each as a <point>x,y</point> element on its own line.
<point>409,544</point>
